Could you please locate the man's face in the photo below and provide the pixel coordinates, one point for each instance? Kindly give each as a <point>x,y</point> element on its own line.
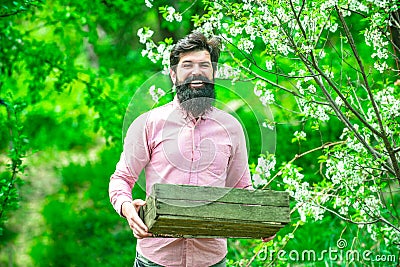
<point>196,63</point>
<point>194,81</point>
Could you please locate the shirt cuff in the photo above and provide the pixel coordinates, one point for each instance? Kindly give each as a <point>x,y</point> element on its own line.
<point>118,205</point>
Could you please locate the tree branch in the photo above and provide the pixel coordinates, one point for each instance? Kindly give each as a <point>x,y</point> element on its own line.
<point>386,141</point>
<point>347,219</point>
<point>333,104</point>
<point>297,156</point>
<point>248,70</point>
<point>313,63</point>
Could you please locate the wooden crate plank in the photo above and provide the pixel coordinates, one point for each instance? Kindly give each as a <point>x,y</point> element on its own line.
<point>194,221</point>
<point>211,212</point>
<point>242,230</point>
<point>227,211</point>
<point>214,225</point>
<point>149,212</point>
<point>208,233</point>
<point>221,194</point>
<point>213,231</point>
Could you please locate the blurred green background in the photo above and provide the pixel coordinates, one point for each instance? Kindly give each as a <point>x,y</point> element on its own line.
<point>70,69</point>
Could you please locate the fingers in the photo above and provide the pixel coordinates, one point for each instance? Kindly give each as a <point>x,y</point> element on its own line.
<point>137,203</point>
<point>140,230</point>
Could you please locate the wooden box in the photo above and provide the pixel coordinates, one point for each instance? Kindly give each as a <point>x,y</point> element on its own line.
<point>201,211</point>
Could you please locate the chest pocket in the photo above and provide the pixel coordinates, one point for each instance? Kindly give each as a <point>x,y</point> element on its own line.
<point>219,164</point>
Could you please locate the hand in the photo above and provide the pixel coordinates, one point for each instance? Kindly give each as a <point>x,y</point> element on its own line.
<point>267,239</point>
<point>130,211</point>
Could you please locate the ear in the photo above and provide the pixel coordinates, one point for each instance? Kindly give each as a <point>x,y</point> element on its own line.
<point>172,74</point>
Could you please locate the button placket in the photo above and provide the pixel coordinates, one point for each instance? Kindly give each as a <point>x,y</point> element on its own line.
<point>190,253</point>
<point>196,152</point>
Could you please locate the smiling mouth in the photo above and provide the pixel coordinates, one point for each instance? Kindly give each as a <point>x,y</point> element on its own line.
<point>197,84</point>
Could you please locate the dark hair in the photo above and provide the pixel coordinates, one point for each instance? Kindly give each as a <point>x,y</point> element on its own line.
<point>195,41</point>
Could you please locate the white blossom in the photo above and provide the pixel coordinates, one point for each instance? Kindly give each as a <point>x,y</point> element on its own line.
<point>225,71</point>
<point>333,27</point>
<point>265,164</point>
<point>270,126</point>
<point>156,94</point>
<point>144,34</point>
<point>246,45</point>
<point>258,92</point>
<point>171,12</point>
<point>269,64</point>
<point>148,3</point>
<point>312,89</point>
<point>328,4</point>
<point>381,67</point>
<point>266,96</point>
<point>300,135</point>
<point>321,54</point>
<point>172,15</point>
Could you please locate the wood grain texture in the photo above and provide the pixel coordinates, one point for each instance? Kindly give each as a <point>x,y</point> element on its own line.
<point>201,211</point>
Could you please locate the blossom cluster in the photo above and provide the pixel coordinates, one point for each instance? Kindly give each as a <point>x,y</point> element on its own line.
<point>265,95</point>
<point>154,52</point>
<point>170,14</point>
<point>313,110</point>
<point>299,136</point>
<point>225,71</point>
<point>389,109</point>
<point>156,94</point>
<point>308,203</point>
<point>375,38</point>
<point>356,179</point>
<point>265,165</point>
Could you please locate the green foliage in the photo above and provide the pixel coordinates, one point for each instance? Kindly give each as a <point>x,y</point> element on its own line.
<point>11,8</point>
<point>82,228</point>
<point>10,180</point>
<point>71,133</point>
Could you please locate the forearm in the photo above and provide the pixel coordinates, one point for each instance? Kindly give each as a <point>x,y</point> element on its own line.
<point>120,187</point>
<point>124,207</point>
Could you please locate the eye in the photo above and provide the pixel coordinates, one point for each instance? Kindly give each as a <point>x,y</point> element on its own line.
<point>205,65</point>
<point>187,65</point>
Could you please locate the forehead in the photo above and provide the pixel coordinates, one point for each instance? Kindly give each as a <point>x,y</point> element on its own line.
<point>195,56</point>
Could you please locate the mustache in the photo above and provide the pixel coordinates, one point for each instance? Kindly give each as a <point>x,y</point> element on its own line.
<point>191,79</point>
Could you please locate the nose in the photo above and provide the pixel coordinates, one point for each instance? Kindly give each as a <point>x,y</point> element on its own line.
<point>196,70</point>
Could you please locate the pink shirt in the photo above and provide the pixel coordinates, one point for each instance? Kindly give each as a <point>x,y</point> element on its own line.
<point>172,148</point>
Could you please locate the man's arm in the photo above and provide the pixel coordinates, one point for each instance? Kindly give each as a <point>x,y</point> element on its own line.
<point>121,184</point>
<point>133,159</point>
<point>238,173</point>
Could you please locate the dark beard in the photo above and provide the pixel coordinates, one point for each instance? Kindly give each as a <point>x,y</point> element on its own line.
<point>196,101</point>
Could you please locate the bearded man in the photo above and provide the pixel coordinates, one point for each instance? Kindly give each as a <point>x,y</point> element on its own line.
<point>187,141</point>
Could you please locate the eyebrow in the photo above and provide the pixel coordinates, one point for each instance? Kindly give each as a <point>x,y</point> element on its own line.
<point>191,61</point>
